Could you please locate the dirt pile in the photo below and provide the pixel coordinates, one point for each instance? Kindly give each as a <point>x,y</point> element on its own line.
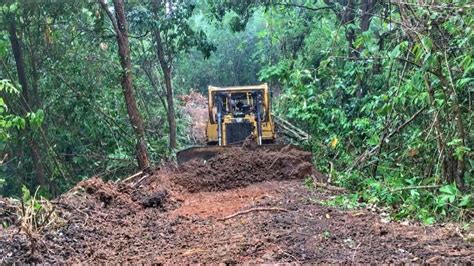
<point>99,194</point>
<point>240,167</point>
<point>8,210</point>
<point>106,194</point>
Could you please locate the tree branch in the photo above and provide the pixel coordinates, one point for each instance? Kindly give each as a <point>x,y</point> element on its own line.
<point>105,7</point>
<point>302,6</point>
<point>369,153</point>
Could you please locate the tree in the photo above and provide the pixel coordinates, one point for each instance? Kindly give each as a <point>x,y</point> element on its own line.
<point>119,23</point>
<point>166,64</point>
<point>25,98</point>
<point>172,35</point>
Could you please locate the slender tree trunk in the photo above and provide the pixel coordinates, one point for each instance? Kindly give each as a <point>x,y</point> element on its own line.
<point>121,33</point>
<point>34,74</point>
<point>445,174</point>
<point>19,62</point>
<point>166,68</point>
<point>348,16</point>
<point>461,132</point>
<point>367,7</point>
<point>22,79</point>
<point>171,113</point>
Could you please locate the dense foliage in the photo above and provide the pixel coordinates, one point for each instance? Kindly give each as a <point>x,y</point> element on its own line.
<point>384,88</point>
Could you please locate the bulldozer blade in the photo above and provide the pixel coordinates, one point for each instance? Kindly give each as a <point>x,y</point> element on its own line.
<point>207,152</point>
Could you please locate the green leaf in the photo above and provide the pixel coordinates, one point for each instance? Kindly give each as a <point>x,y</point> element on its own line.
<point>25,194</point>
<point>395,52</point>
<point>465,201</point>
<point>427,43</point>
<point>462,82</point>
<point>18,122</point>
<point>36,118</point>
<point>429,220</point>
<point>449,189</point>
<point>6,85</point>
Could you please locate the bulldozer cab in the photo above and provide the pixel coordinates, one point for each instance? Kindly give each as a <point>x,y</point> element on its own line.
<point>237,104</point>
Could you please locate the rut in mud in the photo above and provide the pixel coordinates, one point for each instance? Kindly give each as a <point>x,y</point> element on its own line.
<point>176,216</point>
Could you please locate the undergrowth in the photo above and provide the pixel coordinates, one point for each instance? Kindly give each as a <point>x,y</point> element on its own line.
<point>412,198</point>
<point>36,215</point>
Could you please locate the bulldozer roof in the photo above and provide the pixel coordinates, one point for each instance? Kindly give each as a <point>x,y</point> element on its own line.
<point>239,88</point>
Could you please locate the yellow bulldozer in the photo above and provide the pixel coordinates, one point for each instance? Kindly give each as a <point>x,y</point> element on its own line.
<point>239,114</point>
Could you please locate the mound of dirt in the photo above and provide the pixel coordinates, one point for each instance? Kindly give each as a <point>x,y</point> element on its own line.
<point>240,167</point>
<point>159,199</point>
<point>99,194</point>
<point>8,210</point>
<point>105,193</point>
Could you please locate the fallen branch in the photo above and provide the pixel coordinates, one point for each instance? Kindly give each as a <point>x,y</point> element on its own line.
<point>140,181</point>
<point>132,177</point>
<point>274,209</point>
<point>289,129</point>
<point>355,252</point>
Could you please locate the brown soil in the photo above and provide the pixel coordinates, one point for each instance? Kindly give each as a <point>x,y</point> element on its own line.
<point>8,210</point>
<point>173,216</point>
<point>240,167</point>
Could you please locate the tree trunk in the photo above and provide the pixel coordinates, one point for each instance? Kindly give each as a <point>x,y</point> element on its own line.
<point>22,79</point>
<point>348,16</point>
<point>171,113</point>
<point>121,33</point>
<point>166,68</point>
<point>444,158</point>
<point>36,101</point>
<point>20,64</point>
<point>461,132</point>
<point>367,7</point>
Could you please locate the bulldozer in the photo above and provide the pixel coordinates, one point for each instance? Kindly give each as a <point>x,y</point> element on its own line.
<point>237,115</point>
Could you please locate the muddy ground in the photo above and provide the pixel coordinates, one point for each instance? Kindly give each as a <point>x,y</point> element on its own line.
<point>243,166</point>
<point>194,214</point>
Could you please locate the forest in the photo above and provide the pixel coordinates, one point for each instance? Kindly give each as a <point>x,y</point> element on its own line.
<point>384,89</point>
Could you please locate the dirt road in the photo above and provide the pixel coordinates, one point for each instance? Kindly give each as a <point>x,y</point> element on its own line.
<point>190,216</point>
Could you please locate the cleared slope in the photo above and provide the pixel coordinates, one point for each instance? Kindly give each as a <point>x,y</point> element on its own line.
<point>165,220</point>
